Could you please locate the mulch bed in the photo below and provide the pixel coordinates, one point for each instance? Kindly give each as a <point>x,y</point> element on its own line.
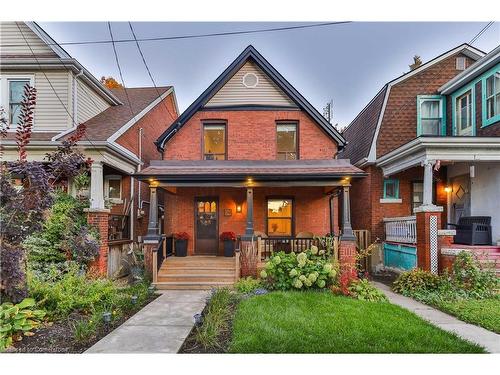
<point>58,337</point>
<point>191,346</point>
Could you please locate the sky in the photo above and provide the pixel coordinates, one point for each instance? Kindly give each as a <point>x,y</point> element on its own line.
<point>346,63</point>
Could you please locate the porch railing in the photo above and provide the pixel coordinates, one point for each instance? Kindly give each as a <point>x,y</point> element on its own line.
<point>401,229</point>
<point>165,249</point>
<point>287,244</point>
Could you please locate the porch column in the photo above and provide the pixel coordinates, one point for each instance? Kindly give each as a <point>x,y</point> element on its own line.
<point>96,186</point>
<point>249,228</point>
<point>347,249</point>
<point>152,238</point>
<point>428,166</point>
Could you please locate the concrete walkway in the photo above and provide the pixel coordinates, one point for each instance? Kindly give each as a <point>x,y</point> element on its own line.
<point>487,339</point>
<point>160,327</point>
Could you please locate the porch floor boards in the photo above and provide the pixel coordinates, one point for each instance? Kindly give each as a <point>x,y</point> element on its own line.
<point>196,272</point>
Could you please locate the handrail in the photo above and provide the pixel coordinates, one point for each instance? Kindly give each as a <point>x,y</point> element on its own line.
<point>401,229</point>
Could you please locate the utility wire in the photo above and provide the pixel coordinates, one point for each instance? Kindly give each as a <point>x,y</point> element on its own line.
<point>192,36</point>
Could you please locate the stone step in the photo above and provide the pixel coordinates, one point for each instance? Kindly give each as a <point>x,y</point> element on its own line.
<point>191,285</point>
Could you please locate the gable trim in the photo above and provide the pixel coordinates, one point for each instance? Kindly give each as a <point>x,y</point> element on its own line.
<point>51,43</point>
<point>249,53</point>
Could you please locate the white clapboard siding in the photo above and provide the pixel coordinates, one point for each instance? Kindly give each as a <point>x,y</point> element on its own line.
<point>89,103</point>
<point>50,113</point>
<point>13,43</point>
<point>234,92</point>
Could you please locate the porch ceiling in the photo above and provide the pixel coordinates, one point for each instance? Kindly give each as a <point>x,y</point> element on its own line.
<point>445,149</point>
<point>245,172</point>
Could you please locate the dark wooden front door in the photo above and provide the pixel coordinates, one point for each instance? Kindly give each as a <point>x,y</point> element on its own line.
<point>206,225</point>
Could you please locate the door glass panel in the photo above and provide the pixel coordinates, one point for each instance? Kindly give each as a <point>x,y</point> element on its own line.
<point>201,207</point>
<point>213,207</point>
<point>207,207</point>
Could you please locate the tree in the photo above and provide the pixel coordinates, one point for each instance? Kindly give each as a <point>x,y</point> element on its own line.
<point>416,62</point>
<point>110,82</point>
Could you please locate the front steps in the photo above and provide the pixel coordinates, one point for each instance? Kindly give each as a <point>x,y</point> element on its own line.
<point>196,272</point>
<point>488,256</point>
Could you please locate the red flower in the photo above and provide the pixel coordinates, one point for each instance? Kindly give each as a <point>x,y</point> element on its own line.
<point>228,236</point>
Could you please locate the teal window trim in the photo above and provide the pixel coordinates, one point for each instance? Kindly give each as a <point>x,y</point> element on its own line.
<point>487,122</point>
<point>472,87</point>
<point>396,186</point>
<point>422,98</point>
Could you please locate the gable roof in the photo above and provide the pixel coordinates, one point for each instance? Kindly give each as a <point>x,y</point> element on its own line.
<point>361,134</point>
<point>250,53</point>
<point>115,119</point>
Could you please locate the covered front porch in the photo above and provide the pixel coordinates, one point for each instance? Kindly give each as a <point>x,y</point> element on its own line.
<point>284,204</point>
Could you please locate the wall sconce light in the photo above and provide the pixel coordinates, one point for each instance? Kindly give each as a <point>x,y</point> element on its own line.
<point>238,208</point>
<point>448,189</point>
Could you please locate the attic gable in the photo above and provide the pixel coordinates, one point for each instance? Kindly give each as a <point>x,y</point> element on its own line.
<point>18,38</point>
<point>250,86</point>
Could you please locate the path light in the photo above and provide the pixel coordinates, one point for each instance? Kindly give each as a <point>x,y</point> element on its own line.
<point>151,289</point>
<point>106,317</point>
<point>198,319</point>
<point>134,299</point>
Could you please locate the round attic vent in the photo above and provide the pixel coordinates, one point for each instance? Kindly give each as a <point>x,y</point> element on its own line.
<point>250,80</point>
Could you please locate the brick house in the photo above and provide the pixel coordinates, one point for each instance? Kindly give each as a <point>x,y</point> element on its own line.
<point>429,141</point>
<point>250,155</point>
<point>119,138</point>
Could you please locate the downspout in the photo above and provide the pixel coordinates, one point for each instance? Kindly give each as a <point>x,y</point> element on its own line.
<point>141,132</point>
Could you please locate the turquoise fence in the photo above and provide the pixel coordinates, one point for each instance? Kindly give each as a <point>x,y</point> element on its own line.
<point>400,256</point>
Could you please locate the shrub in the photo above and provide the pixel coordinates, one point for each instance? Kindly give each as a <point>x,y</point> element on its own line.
<point>305,270</point>
<point>362,289</point>
<point>469,276</point>
<point>416,281</point>
<point>16,320</point>
<point>247,285</point>
<point>84,330</point>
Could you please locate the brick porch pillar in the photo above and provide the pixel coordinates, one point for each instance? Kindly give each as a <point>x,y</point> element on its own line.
<point>428,224</point>
<point>446,252</point>
<point>347,248</point>
<point>98,218</point>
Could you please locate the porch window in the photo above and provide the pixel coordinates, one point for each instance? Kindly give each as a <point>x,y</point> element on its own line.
<point>430,115</point>
<point>279,217</point>
<point>417,197</point>
<point>214,141</point>
<point>464,112</point>
<point>391,189</point>
<point>113,188</point>
<point>286,141</point>
<point>16,91</point>
<point>491,99</point>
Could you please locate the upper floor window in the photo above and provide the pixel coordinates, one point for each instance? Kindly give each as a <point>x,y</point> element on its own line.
<point>431,115</point>
<point>12,92</point>
<point>214,141</point>
<point>286,141</point>
<point>491,98</point>
<point>464,113</point>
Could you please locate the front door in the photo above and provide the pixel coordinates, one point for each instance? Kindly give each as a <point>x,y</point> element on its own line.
<point>206,225</point>
<point>460,198</point>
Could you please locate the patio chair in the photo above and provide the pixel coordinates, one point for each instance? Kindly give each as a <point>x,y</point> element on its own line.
<point>473,230</point>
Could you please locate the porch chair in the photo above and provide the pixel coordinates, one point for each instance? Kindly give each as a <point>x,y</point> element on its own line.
<point>473,230</point>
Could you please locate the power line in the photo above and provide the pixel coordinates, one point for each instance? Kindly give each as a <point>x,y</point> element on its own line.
<point>193,36</point>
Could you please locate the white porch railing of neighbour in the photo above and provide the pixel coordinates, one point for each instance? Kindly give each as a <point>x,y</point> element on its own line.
<point>401,229</point>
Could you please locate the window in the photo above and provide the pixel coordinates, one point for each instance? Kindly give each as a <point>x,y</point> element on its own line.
<point>417,197</point>
<point>286,141</point>
<point>460,63</point>
<point>391,189</point>
<point>464,114</point>
<point>279,217</point>
<point>16,91</point>
<point>491,99</point>
<point>113,188</point>
<point>431,115</point>
<point>214,141</point>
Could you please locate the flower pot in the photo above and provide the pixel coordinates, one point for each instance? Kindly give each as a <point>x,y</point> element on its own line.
<point>181,248</point>
<point>228,248</point>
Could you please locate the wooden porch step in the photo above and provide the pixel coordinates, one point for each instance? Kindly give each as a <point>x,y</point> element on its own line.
<point>166,270</point>
<point>167,285</point>
<point>198,278</point>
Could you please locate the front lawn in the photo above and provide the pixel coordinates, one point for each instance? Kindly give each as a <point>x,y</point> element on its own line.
<point>483,312</point>
<point>320,322</point>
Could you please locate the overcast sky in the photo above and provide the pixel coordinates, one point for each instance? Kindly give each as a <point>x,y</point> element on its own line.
<point>348,63</point>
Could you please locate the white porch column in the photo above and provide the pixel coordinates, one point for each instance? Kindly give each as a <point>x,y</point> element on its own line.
<point>96,186</point>
<point>428,165</point>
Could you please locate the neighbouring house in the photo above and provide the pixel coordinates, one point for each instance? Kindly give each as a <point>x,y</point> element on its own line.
<point>252,156</point>
<point>430,143</point>
<point>121,126</point>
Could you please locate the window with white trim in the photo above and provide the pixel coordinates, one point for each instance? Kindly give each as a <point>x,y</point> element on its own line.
<point>463,108</point>
<point>431,115</point>
<point>492,96</point>
<point>12,93</point>
<point>113,188</point>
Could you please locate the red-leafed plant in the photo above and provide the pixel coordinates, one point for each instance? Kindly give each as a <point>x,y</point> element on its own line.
<point>181,236</point>
<point>228,236</point>
<point>345,280</point>
<point>25,126</point>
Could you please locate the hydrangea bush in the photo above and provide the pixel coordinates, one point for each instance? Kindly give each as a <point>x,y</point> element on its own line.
<point>311,269</point>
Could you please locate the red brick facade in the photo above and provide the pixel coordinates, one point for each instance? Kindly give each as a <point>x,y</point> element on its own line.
<point>99,220</point>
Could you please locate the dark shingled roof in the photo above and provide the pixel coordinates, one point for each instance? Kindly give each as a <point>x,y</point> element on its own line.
<point>106,123</point>
<point>257,169</point>
<point>360,132</point>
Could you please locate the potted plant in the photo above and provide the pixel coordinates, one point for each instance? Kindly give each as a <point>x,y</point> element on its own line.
<point>229,239</point>
<point>181,240</point>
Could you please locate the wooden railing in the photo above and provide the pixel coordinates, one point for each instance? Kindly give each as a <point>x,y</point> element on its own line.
<point>287,244</point>
<point>401,229</point>
<point>165,249</point>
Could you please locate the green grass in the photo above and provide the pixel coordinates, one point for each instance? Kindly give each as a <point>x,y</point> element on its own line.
<point>315,322</point>
<point>483,312</point>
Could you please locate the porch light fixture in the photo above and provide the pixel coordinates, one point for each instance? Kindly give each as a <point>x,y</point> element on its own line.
<point>249,180</point>
<point>238,208</point>
<point>448,189</point>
